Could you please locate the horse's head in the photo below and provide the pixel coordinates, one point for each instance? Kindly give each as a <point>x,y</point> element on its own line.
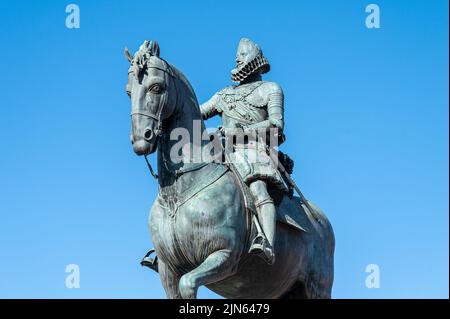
<point>152,89</point>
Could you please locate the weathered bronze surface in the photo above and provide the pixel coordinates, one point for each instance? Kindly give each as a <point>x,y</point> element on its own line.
<point>207,214</point>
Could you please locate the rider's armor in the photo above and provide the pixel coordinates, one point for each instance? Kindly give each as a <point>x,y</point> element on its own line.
<point>255,106</point>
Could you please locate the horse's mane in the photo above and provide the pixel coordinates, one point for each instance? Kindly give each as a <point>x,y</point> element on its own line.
<point>188,90</point>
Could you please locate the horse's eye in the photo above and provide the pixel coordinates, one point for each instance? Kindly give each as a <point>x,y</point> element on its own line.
<point>156,88</point>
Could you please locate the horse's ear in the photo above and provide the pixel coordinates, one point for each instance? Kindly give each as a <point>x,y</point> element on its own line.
<point>128,55</point>
<point>155,48</point>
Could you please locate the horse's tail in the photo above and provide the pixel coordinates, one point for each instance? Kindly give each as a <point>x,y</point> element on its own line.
<point>323,261</point>
<point>320,273</point>
<point>326,230</point>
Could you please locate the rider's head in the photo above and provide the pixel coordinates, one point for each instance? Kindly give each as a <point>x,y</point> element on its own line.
<point>249,61</point>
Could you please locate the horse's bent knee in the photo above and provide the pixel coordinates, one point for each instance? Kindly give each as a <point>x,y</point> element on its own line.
<point>188,287</point>
<point>219,264</point>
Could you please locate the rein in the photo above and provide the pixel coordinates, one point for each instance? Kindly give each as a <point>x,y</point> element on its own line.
<point>150,168</point>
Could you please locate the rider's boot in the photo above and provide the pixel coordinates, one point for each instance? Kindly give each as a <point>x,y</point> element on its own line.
<point>263,243</point>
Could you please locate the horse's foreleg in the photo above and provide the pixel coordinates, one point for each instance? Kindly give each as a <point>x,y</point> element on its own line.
<point>169,280</point>
<point>217,266</point>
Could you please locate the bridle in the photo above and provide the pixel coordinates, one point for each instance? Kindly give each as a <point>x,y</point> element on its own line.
<point>168,72</point>
<point>157,116</point>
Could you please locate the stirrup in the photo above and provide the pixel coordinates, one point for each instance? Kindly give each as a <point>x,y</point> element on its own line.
<point>150,262</point>
<point>261,247</point>
<point>258,244</point>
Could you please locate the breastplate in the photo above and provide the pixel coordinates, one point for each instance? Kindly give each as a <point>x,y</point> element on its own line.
<point>235,105</point>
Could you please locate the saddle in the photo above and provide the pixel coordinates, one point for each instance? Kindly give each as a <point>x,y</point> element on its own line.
<point>284,216</point>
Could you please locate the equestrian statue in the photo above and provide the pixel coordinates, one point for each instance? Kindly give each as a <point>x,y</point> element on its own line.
<point>227,219</point>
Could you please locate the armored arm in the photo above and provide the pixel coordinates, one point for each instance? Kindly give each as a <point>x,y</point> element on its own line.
<point>210,108</point>
<point>275,110</point>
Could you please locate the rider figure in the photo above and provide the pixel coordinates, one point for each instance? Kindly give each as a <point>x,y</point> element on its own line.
<point>254,106</point>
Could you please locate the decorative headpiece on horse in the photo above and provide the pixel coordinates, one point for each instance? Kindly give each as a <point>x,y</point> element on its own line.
<point>147,56</point>
<point>252,62</point>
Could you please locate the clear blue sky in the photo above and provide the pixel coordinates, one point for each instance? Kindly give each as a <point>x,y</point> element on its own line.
<point>366,116</point>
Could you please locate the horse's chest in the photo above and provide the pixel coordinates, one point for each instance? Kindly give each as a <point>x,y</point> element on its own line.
<point>208,222</point>
<point>169,232</point>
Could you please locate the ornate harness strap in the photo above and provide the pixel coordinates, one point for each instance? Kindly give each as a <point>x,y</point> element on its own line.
<point>207,180</point>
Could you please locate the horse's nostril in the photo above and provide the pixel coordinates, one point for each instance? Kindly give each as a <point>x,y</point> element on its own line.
<point>131,139</point>
<point>148,135</point>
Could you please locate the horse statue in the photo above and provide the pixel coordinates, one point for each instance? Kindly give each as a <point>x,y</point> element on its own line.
<point>201,222</point>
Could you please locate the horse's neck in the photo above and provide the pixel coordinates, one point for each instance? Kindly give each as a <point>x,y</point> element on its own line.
<point>171,182</point>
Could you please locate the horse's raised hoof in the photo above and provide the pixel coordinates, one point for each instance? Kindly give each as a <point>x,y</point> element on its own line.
<point>187,288</point>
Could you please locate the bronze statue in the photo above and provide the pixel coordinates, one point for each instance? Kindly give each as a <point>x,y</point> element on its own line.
<point>203,222</point>
<point>254,105</point>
